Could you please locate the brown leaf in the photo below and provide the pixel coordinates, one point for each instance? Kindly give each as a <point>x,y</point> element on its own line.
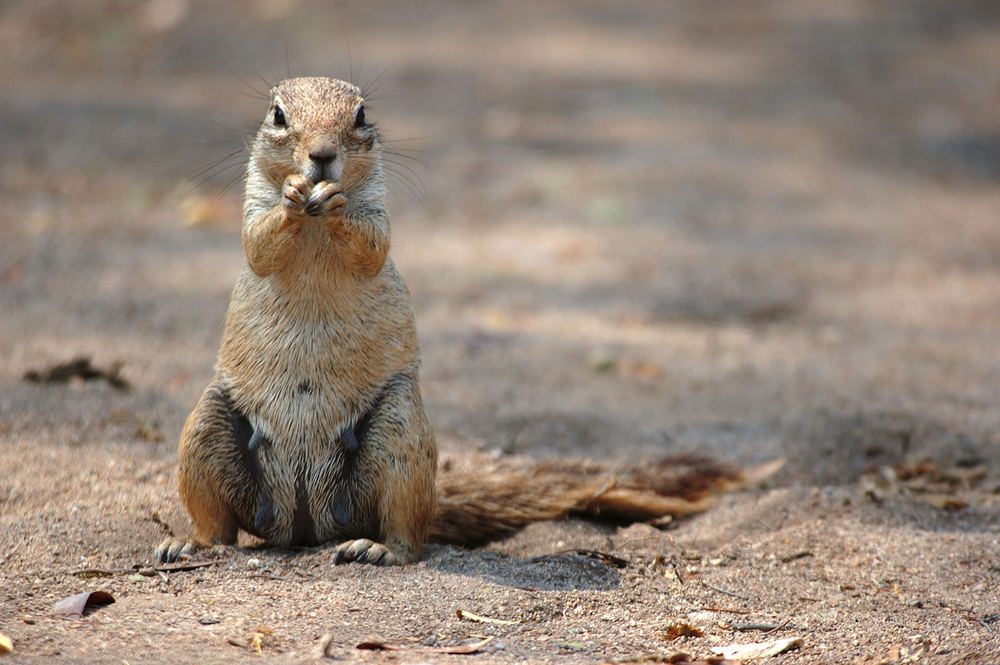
<point>375,645</point>
<point>260,638</point>
<point>680,629</point>
<point>679,658</point>
<point>75,607</point>
<point>79,368</point>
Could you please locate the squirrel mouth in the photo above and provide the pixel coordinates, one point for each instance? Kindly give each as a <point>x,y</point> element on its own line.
<point>318,171</point>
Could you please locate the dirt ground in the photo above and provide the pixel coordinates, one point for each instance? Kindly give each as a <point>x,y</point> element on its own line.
<point>759,230</point>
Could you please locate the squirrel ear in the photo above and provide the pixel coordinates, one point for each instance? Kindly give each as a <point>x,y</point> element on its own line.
<point>359,118</point>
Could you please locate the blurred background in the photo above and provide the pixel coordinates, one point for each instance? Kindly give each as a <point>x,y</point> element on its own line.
<point>759,229</point>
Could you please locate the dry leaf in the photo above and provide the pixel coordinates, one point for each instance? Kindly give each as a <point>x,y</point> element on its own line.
<point>76,606</point>
<point>757,649</point>
<point>78,368</point>
<point>678,658</point>
<point>462,614</point>
<point>641,369</point>
<point>945,501</point>
<point>758,474</point>
<point>680,629</point>
<point>259,638</point>
<point>375,645</point>
<point>6,646</point>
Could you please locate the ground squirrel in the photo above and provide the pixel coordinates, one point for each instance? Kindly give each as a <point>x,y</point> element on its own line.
<point>313,429</point>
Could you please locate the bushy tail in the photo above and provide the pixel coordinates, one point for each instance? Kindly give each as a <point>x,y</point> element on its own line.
<point>481,500</point>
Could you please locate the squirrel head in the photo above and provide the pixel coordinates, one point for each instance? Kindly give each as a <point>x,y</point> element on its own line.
<point>316,127</point>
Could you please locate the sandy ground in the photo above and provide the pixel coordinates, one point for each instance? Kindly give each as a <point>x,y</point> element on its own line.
<point>759,230</point>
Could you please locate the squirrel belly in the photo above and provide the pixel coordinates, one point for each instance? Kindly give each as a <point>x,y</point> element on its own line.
<point>308,369</point>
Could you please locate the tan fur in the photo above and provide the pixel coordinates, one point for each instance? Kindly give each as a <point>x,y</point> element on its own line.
<point>313,429</point>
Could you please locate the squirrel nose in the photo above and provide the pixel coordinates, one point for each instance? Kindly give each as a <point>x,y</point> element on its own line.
<point>321,158</point>
<point>323,153</point>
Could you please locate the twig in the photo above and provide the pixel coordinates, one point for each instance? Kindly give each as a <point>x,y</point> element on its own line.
<point>743,627</point>
<point>640,539</point>
<point>779,626</point>
<point>97,572</point>
<point>465,614</point>
<point>797,555</point>
<point>374,645</point>
<point>616,561</point>
<point>728,593</point>
<point>181,567</point>
<point>725,609</point>
<point>676,569</point>
<point>146,571</point>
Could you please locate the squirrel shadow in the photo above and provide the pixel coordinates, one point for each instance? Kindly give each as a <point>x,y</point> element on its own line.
<point>563,571</point>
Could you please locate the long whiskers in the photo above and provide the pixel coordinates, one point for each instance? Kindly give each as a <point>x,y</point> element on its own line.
<point>403,177</point>
<point>254,91</point>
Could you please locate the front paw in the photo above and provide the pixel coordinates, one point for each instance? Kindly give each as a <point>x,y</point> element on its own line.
<point>326,200</point>
<point>294,197</point>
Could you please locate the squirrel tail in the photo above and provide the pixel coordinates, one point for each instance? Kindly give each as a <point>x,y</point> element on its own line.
<point>483,501</point>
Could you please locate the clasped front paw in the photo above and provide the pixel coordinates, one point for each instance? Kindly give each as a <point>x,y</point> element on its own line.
<point>294,198</point>
<point>326,200</point>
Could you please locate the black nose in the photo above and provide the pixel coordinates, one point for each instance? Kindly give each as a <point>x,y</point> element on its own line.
<point>321,158</point>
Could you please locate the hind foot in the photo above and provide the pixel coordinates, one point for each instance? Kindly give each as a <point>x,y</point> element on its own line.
<point>363,550</point>
<point>174,549</point>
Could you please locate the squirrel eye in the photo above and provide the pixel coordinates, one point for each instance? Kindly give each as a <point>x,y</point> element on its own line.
<point>279,117</point>
<point>359,118</point>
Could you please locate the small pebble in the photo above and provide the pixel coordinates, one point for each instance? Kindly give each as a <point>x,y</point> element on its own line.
<point>208,621</point>
<point>253,563</point>
<point>602,360</point>
<point>28,619</point>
